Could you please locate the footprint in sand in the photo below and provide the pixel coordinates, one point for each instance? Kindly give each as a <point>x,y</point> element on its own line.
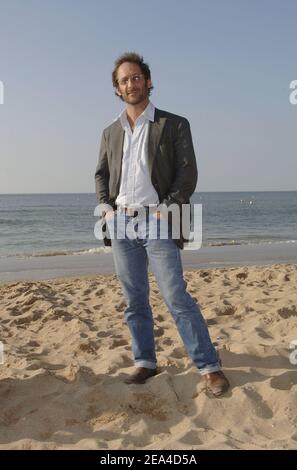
<point>33,344</point>
<point>242,275</point>
<point>14,312</point>
<point>104,334</point>
<point>99,292</point>
<point>260,407</point>
<point>225,310</point>
<point>204,274</point>
<point>119,342</point>
<point>33,316</point>
<point>191,438</point>
<point>263,301</point>
<point>87,292</point>
<point>97,307</point>
<point>167,341</point>
<point>284,381</point>
<point>262,333</point>
<point>287,312</point>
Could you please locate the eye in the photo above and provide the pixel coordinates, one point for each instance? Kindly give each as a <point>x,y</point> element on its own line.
<point>123,81</point>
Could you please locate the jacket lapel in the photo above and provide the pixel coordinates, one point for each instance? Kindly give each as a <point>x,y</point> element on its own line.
<point>117,140</point>
<point>155,132</point>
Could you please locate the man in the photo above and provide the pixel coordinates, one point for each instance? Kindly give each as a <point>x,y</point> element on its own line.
<point>147,161</point>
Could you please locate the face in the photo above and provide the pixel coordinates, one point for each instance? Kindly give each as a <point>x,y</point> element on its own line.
<point>132,91</point>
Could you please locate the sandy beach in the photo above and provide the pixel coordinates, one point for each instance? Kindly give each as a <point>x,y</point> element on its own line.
<point>67,350</point>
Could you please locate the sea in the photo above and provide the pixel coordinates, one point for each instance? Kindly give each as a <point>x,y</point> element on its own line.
<point>36,225</point>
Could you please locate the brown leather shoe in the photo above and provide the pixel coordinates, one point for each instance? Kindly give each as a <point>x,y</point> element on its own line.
<point>216,383</point>
<point>140,375</point>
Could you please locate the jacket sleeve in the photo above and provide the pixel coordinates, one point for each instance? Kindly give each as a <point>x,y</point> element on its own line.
<point>186,173</point>
<point>102,174</point>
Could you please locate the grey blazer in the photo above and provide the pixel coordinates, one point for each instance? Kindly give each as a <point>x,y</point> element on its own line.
<point>171,161</point>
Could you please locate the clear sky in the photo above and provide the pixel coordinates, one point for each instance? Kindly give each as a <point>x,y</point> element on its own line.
<point>224,64</point>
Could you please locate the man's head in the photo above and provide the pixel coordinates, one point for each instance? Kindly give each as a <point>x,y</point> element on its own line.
<point>131,78</point>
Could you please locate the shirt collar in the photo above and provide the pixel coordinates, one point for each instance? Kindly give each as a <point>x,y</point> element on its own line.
<point>147,114</point>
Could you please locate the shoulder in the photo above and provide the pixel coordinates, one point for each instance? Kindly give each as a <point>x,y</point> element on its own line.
<point>113,126</point>
<point>113,131</point>
<point>173,118</point>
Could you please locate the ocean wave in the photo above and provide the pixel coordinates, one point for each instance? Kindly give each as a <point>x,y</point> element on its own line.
<point>246,242</point>
<point>90,251</point>
<point>227,243</point>
<point>104,250</point>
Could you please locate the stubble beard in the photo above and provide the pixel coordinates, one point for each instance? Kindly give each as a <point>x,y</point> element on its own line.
<point>137,98</point>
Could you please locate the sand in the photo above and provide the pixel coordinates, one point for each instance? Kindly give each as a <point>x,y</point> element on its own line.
<point>67,350</point>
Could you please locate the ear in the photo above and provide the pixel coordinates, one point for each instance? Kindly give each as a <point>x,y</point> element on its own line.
<point>149,83</point>
<point>118,92</point>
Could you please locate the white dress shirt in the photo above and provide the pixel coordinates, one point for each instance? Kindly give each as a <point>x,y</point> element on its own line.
<point>136,187</point>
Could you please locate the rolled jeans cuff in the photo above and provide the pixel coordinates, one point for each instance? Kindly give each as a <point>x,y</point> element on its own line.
<point>146,364</point>
<point>210,369</point>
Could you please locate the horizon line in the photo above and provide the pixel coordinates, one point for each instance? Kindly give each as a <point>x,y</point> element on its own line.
<point>222,191</point>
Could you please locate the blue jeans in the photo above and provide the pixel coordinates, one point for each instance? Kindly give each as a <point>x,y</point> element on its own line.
<point>131,255</point>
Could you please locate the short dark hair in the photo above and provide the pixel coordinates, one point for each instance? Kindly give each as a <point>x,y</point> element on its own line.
<point>134,58</point>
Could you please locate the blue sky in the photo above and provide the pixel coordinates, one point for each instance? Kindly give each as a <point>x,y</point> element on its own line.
<point>224,64</point>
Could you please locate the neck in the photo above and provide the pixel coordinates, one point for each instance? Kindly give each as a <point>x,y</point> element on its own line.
<point>133,111</point>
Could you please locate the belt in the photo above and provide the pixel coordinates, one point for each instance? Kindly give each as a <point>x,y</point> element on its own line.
<point>131,211</point>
